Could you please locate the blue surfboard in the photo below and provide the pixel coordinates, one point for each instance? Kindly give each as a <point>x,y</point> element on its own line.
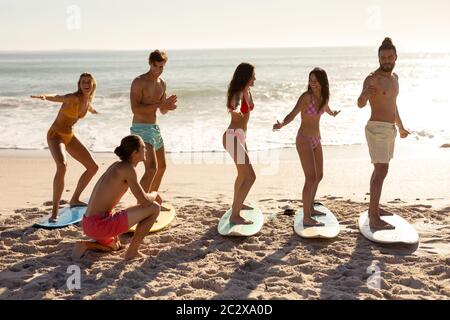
<point>66,217</point>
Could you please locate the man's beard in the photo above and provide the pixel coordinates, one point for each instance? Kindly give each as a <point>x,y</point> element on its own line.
<point>388,67</point>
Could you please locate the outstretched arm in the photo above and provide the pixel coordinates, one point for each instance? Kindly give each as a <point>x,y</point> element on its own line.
<point>55,98</point>
<point>92,110</point>
<point>330,112</point>
<point>299,107</point>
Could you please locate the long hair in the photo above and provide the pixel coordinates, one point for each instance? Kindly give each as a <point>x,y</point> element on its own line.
<point>241,77</point>
<point>322,78</point>
<point>79,92</point>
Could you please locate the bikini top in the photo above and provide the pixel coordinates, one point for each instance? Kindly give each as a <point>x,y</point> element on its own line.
<point>245,107</point>
<point>312,109</point>
<point>71,110</point>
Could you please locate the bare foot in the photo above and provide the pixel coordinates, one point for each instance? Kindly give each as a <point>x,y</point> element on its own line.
<point>384,212</point>
<point>132,253</point>
<point>379,224</point>
<point>310,222</point>
<point>316,213</point>
<point>77,203</point>
<point>239,220</point>
<point>79,250</point>
<point>116,246</point>
<point>53,218</point>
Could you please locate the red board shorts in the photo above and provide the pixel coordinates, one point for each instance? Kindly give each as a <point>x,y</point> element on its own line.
<point>104,228</point>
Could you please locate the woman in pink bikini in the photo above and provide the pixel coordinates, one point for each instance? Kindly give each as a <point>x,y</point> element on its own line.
<point>234,137</point>
<point>311,105</point>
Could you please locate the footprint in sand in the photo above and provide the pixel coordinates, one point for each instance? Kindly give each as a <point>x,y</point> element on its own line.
<point>183,291</point>
<point>296,279</point>
<point>287,200</point>
<point>421,206</point>
<point>397,201</point>
<point>47,242</point>
<point>412,283</point>
<point>166,239</point>
<point>50,203</point>
<point>24,248</point>
<point>265,200</point>
<point>210,284</point>
<point>332,197</point>
<point>252,247</point>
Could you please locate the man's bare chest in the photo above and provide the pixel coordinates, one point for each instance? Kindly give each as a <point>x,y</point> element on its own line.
<point>152,91</point>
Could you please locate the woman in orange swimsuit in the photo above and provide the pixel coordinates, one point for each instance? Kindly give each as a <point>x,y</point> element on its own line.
<point>311,105</point>
<point>60,136</point>
<point>233,138</point>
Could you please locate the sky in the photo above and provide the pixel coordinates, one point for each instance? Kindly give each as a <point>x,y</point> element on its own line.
<point>417,25</point>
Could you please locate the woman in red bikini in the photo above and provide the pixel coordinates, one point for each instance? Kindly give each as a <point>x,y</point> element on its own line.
<point>61,137</point>
<point>234,138</point>
<point>311,105</point>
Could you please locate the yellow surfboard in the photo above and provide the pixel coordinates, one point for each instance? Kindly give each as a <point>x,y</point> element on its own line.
<point>163,220</point>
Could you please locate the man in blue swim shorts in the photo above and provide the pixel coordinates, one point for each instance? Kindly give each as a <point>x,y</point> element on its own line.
<point>148,94</point>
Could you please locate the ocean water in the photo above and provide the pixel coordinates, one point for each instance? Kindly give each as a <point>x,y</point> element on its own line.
<point>200,77</point>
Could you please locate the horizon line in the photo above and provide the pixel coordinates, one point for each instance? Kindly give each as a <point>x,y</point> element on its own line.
<point>406,50</point>
<point>184,49</point>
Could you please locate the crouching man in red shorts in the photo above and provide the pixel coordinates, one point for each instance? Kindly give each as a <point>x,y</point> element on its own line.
<point>103,225</point>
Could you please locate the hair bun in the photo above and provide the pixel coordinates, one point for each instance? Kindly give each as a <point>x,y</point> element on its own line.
<point>387,41</point>
<point>119,151</point>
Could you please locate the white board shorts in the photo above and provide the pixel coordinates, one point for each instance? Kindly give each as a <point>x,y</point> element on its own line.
<point>380,138</point>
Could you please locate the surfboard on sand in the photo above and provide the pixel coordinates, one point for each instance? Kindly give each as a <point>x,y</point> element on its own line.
<point>226,229</point>
<point>330,229</point>
<point>404,232</point>
<point>163,220</point>
<point>66,216</point>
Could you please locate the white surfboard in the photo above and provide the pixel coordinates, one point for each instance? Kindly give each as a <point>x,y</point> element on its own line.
<point>404,232</point>
<point>243,230</point>
<point>330,229</point>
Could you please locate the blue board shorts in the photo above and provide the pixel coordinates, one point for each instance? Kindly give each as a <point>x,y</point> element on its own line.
<point>150,133</point>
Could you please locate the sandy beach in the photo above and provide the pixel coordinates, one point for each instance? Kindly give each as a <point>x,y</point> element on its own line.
<point>190,260</point>
<point>179,75</point>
